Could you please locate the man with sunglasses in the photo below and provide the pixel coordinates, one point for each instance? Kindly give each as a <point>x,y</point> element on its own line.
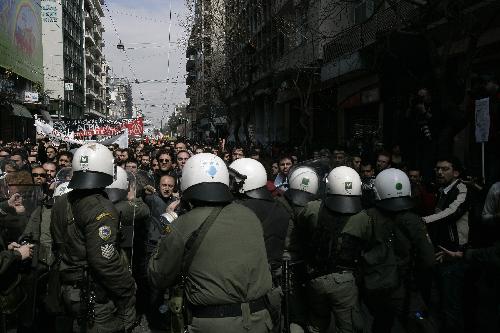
<point>39,176</point>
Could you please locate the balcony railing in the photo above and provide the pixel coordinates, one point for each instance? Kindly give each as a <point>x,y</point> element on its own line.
<point>364,34</point>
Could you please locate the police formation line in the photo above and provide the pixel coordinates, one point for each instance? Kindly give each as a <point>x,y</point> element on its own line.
<point>235,259</point>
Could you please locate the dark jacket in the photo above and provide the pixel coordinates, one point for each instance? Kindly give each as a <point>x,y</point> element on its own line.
<point>449,225</point>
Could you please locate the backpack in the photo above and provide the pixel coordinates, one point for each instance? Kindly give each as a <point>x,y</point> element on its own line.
<point>379,264</point>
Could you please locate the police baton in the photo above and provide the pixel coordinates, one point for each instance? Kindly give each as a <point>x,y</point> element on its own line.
<point>286,295</point>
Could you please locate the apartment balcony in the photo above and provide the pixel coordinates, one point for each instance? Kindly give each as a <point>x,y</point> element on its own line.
<point>88,18</point>
<point>98,65</point>
<point>98,7</point>
<point>359,36</point>
<point>190,65</point>
<point>89,56</point>
<point>97,33</point>
<point>90,74</point>
<point>89,38</point>
<point>90,94</point>
<point>191,78</point>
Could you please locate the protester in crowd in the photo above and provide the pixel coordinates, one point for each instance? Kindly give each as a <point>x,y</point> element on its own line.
<point>64,159</point>
<point>383,161</point>
<point>238,152</point>
<point>51,169</point>
<point>448,228</point>
<point>180,145</point>
<point>131,166</point>
<point>39,176</point>
<point>4,154</point>
<point>281,180</point>
<point>21,158</point>
<point>51,152</point>
<point>145,164</point>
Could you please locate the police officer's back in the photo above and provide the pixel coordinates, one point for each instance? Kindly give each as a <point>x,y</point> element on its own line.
<point>331,287</point>
<point>97,287</point>
<point>394,244</point>
<point>227,278</point>
<point>249,185</point>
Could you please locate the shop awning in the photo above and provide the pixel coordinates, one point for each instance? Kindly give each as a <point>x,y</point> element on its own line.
<point>20,110</point>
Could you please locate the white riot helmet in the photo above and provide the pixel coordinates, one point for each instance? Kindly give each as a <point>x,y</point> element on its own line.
<point>92,167</point>
<point>249,177</point>
<point>62,189</point>
<point>205,178</point>
<point>303,184</point>
<point>343,191</point>
<point>393,190</point>
<point>118,190</point>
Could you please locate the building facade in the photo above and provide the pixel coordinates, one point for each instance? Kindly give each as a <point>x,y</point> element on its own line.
<point>327,73</point>
<point>95,74</point>
<point>205,65</point>
<point>74,77</point>
<point>120,98</point>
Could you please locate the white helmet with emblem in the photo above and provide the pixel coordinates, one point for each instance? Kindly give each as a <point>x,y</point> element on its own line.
<point>249,177</point>
<point>343,191</point>
<point>118,190</point>
<point>304,184</point>
<point>93,167</point>
<point>393,190</point>
<point>205,178</point>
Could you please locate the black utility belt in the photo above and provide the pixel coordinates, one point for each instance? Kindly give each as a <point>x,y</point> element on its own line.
<point>318,274</point>
<point>226,310</point>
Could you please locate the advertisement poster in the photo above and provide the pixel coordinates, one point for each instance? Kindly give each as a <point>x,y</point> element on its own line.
<point>21,38</point>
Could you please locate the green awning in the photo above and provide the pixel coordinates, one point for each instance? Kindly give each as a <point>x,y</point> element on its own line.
<point>20,110</point>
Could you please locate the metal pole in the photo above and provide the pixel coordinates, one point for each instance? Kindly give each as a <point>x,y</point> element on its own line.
<point>483,171</point>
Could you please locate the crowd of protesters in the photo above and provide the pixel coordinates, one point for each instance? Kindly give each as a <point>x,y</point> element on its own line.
<point>459,295</point>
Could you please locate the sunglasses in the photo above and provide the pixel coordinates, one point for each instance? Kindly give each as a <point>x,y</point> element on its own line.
<point>43,175</point>
<point>165,160</point>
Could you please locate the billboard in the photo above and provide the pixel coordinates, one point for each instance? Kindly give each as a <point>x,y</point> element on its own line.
<point>21,38</point>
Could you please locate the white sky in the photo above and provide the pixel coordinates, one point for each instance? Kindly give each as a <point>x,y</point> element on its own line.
<point>144,26</point>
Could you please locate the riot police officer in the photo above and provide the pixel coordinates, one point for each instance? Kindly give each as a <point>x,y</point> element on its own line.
<point>218,247</point>
<point>249,186</point>
<point>97,288</point>
<point>332,287</point>
<point>391,244</point>
<point>305,184</point>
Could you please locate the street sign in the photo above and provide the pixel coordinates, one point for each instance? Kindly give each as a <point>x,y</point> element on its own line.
<point>30,97</point>
<point>68,86</point>
<point>482,120</point>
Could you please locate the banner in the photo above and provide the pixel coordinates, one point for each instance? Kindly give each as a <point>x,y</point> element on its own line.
<point>121,140</point>
<point>47,130</point>
<point>101,127</point>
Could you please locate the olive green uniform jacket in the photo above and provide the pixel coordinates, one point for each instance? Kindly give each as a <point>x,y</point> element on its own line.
<point>89,239</point>
<point>230,266</point>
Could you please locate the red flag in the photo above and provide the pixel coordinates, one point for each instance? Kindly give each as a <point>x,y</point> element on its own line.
<point>135,127</point>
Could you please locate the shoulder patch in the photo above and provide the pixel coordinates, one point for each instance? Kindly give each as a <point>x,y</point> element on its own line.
<point>103,215</point>
<point>105,232</point>
<point>107,251</point>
